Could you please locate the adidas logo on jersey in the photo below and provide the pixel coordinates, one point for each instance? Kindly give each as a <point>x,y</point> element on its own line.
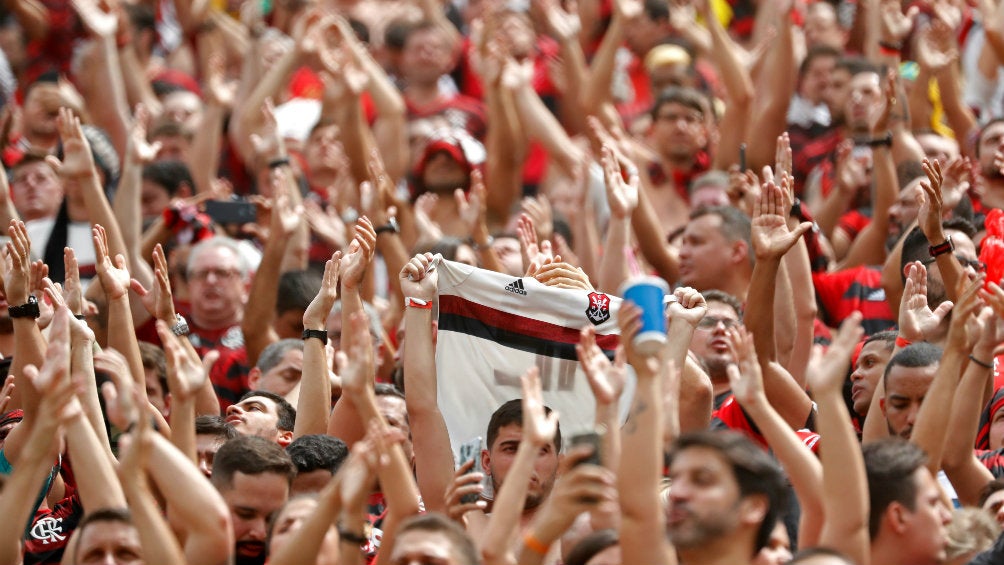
<point>516,287</point>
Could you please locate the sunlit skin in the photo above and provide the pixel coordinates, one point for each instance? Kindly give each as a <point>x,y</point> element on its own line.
<point>282,378</point>
<point>994,505</point>
<point>257,416</point>
<point>905,389</point>
<point>252,500</point>
<point>291,518</point>
<point>867,372</point>
<point>500,456</point>
<point>206,446</point>
<point>109,543</point>
<point>417,547</point>
<point>707,258</point>
<point>217,288</point>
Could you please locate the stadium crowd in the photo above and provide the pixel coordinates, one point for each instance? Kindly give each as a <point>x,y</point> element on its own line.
<point>225,230</point>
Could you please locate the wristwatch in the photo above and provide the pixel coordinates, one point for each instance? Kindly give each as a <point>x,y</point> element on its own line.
<point>391,227</point>
<point>942,248</point>
<point>180,326</point>
<point>27,310</point>
<point>319,334</point>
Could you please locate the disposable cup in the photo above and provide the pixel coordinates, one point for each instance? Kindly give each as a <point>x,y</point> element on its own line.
<point>648,293</point>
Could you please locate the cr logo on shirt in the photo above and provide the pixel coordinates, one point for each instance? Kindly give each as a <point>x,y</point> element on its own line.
<point>48,530</point>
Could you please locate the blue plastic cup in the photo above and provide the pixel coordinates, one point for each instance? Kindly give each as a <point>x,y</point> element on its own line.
<point>648,293</point>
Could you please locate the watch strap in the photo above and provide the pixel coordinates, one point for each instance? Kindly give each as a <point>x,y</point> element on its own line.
<point>946,247</point>
<point>317,334</point>
<point>27,310</point>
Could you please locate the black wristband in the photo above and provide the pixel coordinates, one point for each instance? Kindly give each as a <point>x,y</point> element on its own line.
<point>27,310</point>
<point>80,317</point>
<point>945,247</point>
<point>884,141</point>
<point>279,162</point>
<point>352,537</point>
<point>319,334</point>
<point>983,364</point>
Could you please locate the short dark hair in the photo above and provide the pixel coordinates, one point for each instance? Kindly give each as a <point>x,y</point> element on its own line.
<point>816,52</point>
<point>915,248</point>
<point>682,95</point>
<point>591,545</point>
<point>855,64</point>
<point>155,360</point>
<point>908,171</point>
<point>387,389</point>
<point>317,451</point>
<point>116,515</point>
<point>890,464</point>
<point>296,290</point>
<point>984,129</point>
<point>756,473</point>
<point>285,410</point>
<point>715,295</point>
<point>215,426</point>
<point>888,336</point>
<point>915,355</point>
<point>656,10</point>
<point>250,455</point>
<point>435,522</point>
<point>273,354</point>
<point>511,412</point>
<point>169,174</point>
<point>989,489</point>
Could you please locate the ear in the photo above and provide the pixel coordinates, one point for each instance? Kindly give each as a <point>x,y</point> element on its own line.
<point>486,461</point>
<point>254,378</point>
<point>285,438</point>
<point>740,252</point>
<point>167,406</point>
<point>897,517</point>
<point>753,509</point>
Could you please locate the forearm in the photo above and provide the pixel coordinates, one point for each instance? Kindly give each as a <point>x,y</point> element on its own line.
<point>160,547</point>
<point>305,542</point>
<point>962,428</point>
<point>739,90</point>
<point>260,312</point>
<point>126,208</point>
<point>205,154</point>
<point>799,272</point>
<point>774,89</point>
<point>122,338</point>
<point>505,144</point>
<point>613,265</point>
<point>759,316</point>
<point>845,485</point>
<point>33,17</point>
<point>508,506</point>
<point>573,61</point>
<point>918,101</point>
<point>834,205</point>
<point>960,118</point>
<point>82,368</point>
<point>112,113</point>
<point>433,454</point>
<point>651,239</point>
<point>94,471</point>
<point>138,90</point>
<point>183,427</point>
<point>933,417</point>
<point>540,124</point>
<point>29,349</point>
<point>21,489</point>
<point>784,317</point>
<point>601,71</point>
<point>314,403</point>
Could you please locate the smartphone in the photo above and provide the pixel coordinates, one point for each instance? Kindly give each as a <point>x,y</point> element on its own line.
<point>742,157</point>
<point>231,211</point>
<point>588,438</point>
<point>471,450</point>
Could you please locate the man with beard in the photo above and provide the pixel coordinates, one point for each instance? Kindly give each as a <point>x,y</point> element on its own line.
<point>725,499</point>
<point>710,343</point>
<point>254,477</point>
<point>505,431</point>
<point>444,165</point>
<point>908,376</point>
<point>990,140</point>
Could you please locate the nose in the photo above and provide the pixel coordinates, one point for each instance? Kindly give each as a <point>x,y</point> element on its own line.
<point>234,409</point>
<point>856,376</point>
<point>911,416</point>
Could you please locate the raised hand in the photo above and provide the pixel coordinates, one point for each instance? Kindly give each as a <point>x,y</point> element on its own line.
<point>930,203</point>
<point>186,374</point>
<point>622,196</point>
<point>114,276</point>
<point>606,379</point>
<point>473,206</point>
<point>122,408</point>
<point>17,275</point>
<point>965,325</point>
<point>140,150</point>
<point>73,293</point>
<point>562,24</point>
<point>562,275</point>
<point>352,267</point>
<point>219,92</point>
<point>885,111</point>
<point>629,324</point>
<point>159,302</point>
<point>916,319</point>
<point>538,428</point>
<point>538,209</point>
<point>745,376</point>
<point>689,306</point>
<point>267,143</point>
<point>77,160</point>
<point>782,158</point>
<point>832,371</point>
<point>936,47</point>
<point>327,225</point>
<point>770,235</point>
<point>428,229</point>
<point>628,9</point>
<point>852,172</point>
<point>895,24</point>
<point>418,279</point>
<point>99,18</point>
<point>285,218</point>
<point>315,317</point>
<point>464,483</point>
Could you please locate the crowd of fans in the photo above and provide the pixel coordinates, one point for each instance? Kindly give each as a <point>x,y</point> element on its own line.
<point>219,288</point>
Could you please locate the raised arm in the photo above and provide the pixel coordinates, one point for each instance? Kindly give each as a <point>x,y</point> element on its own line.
<point>929,218</point>
<point>771,239</point>
<point>774,87</point>
<point>929,432</point>
<point>845,485</point>
<point>623,199</point>
<point>804,470</point>
<point>194,505</point>
<point>606,380</point>
<point>107,93</point>
<point>433,455</point>
<point>538,436</point>
<point>643,531</point>
<point>314,403</point>
<point>596,91</point>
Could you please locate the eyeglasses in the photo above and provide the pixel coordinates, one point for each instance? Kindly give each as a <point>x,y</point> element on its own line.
<point>978,266</point>
<point>709,322</point>
<point>220,274</point>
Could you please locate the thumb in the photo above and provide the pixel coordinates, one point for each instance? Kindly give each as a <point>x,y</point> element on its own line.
<point>943,309</point>
<point>138,287</point>
<point>801,229</point>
